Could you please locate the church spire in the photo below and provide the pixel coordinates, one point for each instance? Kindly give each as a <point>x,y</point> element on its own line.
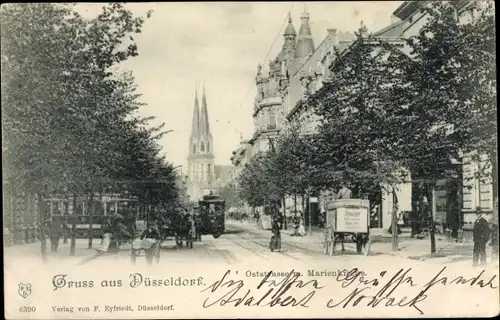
<point>305,43</point>
<point>204,124</point>
<point>289,35</point>
<point>196,118</point>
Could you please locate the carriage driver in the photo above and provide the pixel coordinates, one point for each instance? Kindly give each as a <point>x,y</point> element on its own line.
<point>152,231</point>
<point>153,237</point>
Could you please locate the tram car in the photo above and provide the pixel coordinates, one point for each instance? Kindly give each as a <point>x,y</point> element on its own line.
<point>211,215</point>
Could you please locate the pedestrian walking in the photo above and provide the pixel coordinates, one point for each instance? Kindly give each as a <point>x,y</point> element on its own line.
<point>275,243</point>
<point>55,233</point>
<point>296,223</point>
<point>481,235</point>
<point>66,230</point>
<point>302,229</point>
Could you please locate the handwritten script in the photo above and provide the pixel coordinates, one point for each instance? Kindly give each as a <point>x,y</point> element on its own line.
<point>267,293</point>
<point>384,290</point>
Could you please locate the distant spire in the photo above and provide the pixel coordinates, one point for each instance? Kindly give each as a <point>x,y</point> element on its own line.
<point>289,30</point>
<point>196,118</point>
<point>305,43</point>
<point>204,123</point>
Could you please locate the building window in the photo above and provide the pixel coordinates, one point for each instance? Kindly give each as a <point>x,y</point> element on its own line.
<point>202,147</point>
<point>271,125</point>
<point>208,146</point>
<point>194,148</point>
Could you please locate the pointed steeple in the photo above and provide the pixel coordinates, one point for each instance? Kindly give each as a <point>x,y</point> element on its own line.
<point>290,30</point>
<point>204,124</point>
<point>289,35</point>
<point>195,124</point>
<point>305,43</point>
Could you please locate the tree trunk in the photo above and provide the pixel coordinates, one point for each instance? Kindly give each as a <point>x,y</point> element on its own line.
<point>92,208</point>
<point>295,204</point>
<point>303,199</point>
<point>15,229</point>
<point>433,214</point>
<point>309,209</point>
<point>43,240</point>
<point>394,225</point>
<point>284,214</point>
<point>72,244</point>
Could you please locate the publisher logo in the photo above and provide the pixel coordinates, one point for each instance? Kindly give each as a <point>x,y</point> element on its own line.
<point>24,290</point>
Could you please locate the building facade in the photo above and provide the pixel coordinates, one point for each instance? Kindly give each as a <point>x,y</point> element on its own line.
<point>200,161</point>
<point>268,105</point>
<point>407,21</point>
<point>299,71</point>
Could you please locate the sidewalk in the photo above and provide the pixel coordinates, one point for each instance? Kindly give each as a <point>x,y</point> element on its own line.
<point>415,249</point>
<point>33,250</point>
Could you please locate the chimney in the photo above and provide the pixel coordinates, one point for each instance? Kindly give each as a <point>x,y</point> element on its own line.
<point>334,35</point>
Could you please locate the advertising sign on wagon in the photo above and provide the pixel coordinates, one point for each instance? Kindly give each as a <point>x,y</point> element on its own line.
<point>349,215</point>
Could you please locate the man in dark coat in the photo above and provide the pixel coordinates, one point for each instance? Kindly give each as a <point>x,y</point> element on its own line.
<point>55,233</point>
<point>481,235</point>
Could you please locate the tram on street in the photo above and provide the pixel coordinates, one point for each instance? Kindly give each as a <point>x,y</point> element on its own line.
<point>211,213</point>
<point>78,213</point>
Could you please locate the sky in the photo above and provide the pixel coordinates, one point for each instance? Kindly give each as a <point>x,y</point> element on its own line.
<point>184,45</point>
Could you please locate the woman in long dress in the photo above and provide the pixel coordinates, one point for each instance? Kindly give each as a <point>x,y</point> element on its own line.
<point>275,243</point>
<point>302,229</point>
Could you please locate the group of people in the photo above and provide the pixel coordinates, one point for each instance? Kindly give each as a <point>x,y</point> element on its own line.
<point>186,224</point>
<point>298,226</point>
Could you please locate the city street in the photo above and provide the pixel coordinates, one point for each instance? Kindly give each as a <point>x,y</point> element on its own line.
<point>245,243</point>
<point>241,253</point>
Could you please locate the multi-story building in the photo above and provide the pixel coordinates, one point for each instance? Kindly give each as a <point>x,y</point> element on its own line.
<point>408,20</point>
<point>300,69</point>
<point>268,107</point>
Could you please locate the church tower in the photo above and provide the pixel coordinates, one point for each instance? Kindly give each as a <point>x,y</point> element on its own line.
<point>305,43</point>
<point>201,171</point>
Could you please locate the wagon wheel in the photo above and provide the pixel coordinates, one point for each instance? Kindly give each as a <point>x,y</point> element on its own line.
<point>336,239</point>
<point>326,244</point>
<point>178,240</point>
<point>217,234</point>
<point>329,242</point>
<point>358,239</point>
<point>157,252</point>
<point>367,244</point>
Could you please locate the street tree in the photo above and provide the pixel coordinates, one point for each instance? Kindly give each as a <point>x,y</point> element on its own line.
<point>69,120</point>
<point>446,101</point>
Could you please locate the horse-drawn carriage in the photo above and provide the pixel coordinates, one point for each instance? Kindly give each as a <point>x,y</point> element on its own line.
<point>348,220</point>
<point>178,228</point>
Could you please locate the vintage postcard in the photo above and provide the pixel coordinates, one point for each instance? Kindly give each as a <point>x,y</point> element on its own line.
<point>227,160</point>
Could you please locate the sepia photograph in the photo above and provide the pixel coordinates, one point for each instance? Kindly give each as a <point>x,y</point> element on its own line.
<point>234,160</point>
